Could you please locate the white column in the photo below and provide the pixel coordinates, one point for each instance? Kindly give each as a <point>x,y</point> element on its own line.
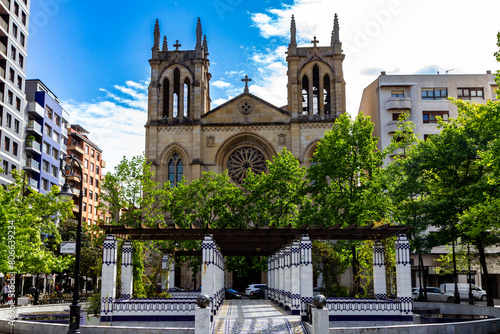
<point>164,273</point>
<point>269,283</point>
<point>295,278</point>
<point>281,282</point>
<point>288,281</point>
<point>127,274</point>
<point>403,275</point>
<point>108,284</point>
<point>379,278</point>
<point>306,274</point>
<point>171,274</point>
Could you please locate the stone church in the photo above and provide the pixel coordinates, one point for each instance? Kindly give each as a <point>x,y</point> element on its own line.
<point>185,137</point>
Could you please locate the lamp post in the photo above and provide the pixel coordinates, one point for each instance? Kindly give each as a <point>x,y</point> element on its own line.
<point>68,166</point>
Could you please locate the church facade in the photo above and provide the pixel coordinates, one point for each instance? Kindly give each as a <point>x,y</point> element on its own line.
<point>185,137</point>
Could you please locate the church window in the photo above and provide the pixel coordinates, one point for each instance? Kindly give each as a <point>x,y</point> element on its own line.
<point>177,91</point>
<point>315,90</point>
<point>326,94</point>
<point>186,97</point>
<point>305,95</point>
<point>166,97</point>
<point>243,158</point>
<point>175,170</point>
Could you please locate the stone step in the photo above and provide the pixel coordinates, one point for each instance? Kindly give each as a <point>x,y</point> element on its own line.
<point>261,326</point>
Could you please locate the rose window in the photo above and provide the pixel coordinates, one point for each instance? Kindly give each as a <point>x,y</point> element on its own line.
<point>243,158</point>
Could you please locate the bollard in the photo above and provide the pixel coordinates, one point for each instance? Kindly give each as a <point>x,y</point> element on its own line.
<point>320,318</point>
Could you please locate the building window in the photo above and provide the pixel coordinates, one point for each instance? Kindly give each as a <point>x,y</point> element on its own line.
<point>48,112</point>
<point>19,82</point>
<point>55,136</point>
<point>91,194</point>
<point>175,170</point>
<point>86,164</point>
<point>21,61</point>
<point>91,166</point>
<point>55,171</point>
<point>85,178</point>
<point>97,170</point>
<point>434,93</point>
<point>46,147</point>
<point>8,120</point>
<point>13,52</point>
<point>10,97</point>
<point>86,149</point>
<point>92,152</point>
<point>48,130</point>
<point>23,18</point>
<point>305,95</point>
<point>14,30</point>
<point>16,8</point>
<point>6,144</point>
<point>90,209</point>
<point>11,75</point>
<point>432,116</point>
<point>57,120</point>
<point>45,166</point>
<point>14,148</point>
<point>91,181</point>
<point>471,93</point>
<point>55,154</point>
<point>97,157</point>
<point>395,116</point>
<point>397,93</point>
<point>97,184</point>
<point>243,158</point>
<point>18,104</point>
<point>84,206</point>
<point>16,125</point>
<point>5,167</point>
<point>22,38</point>
<point>45,184</point>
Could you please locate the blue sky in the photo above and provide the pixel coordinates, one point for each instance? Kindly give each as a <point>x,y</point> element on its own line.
<point>94,55</point>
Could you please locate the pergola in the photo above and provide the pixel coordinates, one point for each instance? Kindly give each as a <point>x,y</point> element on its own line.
<point>253,241</point>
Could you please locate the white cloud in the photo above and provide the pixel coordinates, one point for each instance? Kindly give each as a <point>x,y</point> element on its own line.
<point>221,84</point>
<point>116,124</point>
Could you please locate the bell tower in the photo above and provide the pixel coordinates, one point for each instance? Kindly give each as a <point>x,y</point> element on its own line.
<point>316,86</point>
<point>179,89</point>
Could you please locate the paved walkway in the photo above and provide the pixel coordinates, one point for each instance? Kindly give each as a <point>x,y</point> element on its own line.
<point>247,316</point>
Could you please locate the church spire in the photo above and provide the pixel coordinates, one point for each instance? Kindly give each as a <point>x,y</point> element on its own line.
<point>156,38</point>
<point>199,35</point>
<point>293,33</point>
<point>335,35</point>
<point>205,45</point>
<point>164,47</point>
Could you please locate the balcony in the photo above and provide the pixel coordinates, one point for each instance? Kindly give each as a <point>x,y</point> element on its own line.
<point>32,165</point>
<point>76,147</point>
<point>4,6</point>
<point>398,103</point>
<point>64,148</point>
<point>4,27</point>
<point>2,71</point>
<point>33,146</point>
<point>3,50</point>
<point>35,109</point>
<point>34,127</point>
<point>103,164</point>
<point>33,183</point>
<point>391,126</point>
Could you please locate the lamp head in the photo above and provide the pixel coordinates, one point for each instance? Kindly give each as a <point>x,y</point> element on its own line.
<point>66,192</point>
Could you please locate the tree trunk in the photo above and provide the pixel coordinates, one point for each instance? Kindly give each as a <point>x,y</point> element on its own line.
<point>423,291</point>
<point>455,275</point>
<point>355,269</point>
<point>486,279</point>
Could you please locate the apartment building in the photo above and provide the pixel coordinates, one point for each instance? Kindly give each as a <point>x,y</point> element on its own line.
<point>423,97</point>
<point>14,19</point>
<point>46,137</point>
<point>89,155</point>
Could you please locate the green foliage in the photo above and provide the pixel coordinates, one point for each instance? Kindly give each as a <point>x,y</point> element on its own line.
<point>446,260</point>
<point>242,265</point>
<point>274,199</point>
<point>93,305</point>
<point>140,280</point>
<point>343,174</point>
<point>329,263</point>
<point>26,218</point>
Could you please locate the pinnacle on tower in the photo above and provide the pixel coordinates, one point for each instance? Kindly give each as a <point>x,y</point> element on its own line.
<point>335,35</point>
<point>156,41</point>
<point>198,34</point>
<point>164,47</point>
<point>293,33</point>
<point>205,45</point>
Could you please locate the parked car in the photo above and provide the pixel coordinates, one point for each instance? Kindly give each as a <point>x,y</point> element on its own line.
<point>176,289</point>
<point>254,287</point>
<point>258,294</point>
<point>232,294</point>
<point>434,295</point>
<point>463,290</point>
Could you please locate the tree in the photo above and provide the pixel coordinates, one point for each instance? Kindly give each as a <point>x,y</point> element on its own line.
<point>275,198</point>
<point>345,187</point>
<point>27,222</point>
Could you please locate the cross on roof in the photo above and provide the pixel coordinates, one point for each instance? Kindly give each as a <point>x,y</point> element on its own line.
<point>314,41</point>
<point>177,45</point>
<point>246,80</point>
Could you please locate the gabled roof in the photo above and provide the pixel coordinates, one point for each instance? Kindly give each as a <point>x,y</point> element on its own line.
<point>284,112</point>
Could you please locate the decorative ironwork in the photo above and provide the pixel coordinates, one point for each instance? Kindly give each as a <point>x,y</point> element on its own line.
<point>242,159</point>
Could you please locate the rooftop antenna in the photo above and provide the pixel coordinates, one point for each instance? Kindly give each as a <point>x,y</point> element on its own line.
<point>449,70</point>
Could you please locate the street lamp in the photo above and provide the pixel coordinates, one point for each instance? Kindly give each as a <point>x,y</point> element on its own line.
<point>68,166</point>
